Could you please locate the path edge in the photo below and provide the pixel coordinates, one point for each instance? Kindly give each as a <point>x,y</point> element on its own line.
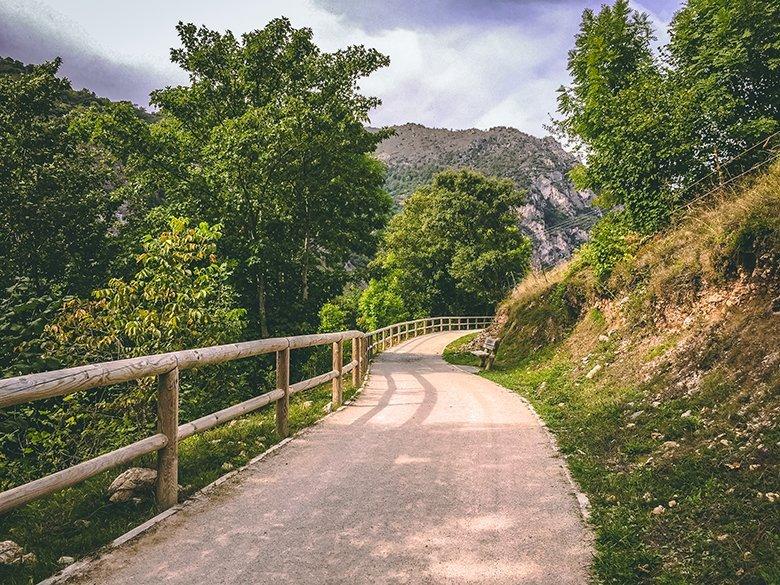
<point>583,502</point>
<point>82,565</point>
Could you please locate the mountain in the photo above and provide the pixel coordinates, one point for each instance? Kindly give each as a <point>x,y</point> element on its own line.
<point>556,216</point>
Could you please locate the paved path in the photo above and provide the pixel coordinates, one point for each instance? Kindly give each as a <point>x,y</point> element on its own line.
<point>434,475</point>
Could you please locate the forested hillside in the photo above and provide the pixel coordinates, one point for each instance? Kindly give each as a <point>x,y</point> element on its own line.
<point>554,214</point>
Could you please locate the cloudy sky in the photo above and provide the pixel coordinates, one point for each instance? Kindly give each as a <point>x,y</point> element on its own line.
<point>454,63</point>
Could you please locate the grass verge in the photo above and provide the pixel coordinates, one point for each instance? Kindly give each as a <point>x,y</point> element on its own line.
<point>77,521</point>
<point>455,354</point>
<point>683,485</point>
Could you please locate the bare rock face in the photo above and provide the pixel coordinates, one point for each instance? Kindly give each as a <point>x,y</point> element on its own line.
<point>555,216</point>
<point>13,554</point>
<point>130,483</point>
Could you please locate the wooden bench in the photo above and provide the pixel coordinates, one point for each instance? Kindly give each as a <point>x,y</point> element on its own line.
<point>487,354</point>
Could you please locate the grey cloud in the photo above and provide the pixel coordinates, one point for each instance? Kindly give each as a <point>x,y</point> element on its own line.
<point>38,40</point>
<point>383,14</point>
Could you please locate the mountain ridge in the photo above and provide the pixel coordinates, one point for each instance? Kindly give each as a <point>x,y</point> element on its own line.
<point>538,166</point>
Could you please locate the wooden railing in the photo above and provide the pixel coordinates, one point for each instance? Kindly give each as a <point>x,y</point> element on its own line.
<point>167,366</point>
<point>386,337</point>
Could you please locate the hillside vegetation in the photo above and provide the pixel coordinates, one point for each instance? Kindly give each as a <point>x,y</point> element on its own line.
<point>662,385</point>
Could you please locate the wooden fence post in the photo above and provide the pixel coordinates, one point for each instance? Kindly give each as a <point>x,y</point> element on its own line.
<point>283,383</point>
<point>167,487</point>
<point>337,366</point>
<point>356,358</point>
<point>366,356</point>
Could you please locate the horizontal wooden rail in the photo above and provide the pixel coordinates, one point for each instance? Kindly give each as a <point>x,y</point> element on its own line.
<point>209,421</point>
<point>386,337</point>
<point>167,366</point>
<point>60,382</point>
<point>67,477</point>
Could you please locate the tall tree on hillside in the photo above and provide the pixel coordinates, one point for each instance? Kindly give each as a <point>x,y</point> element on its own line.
<point>726,55</point>
<point>650,127</point>
<point>56,208</point>
<point>455,248</point>
<point>618,110</point>
<point>269,140</point>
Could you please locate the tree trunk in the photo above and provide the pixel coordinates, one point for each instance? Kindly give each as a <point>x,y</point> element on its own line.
<point>262,315</point>
<point>305,271</point>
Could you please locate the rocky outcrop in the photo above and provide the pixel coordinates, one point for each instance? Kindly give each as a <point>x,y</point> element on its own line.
<point>556,216</point>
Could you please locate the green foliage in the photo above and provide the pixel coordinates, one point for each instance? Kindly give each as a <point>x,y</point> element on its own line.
<point>725,52</point>
<point>341,312</point>
<point>611,241</point>
<point>651,126</point>
<point>55,210</point>
<point>382,303</point>
<point>268,140</point>
<point>178,298</point>
<point>25,310</point>
<point>454,248</point>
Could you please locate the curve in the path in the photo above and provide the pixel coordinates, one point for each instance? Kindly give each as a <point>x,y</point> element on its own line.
<point>433,475</point>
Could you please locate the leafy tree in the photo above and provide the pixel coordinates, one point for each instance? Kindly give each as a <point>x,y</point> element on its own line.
<point>455,247</point>
<point>178,298</point>
<point>341,312</point>
<point>57,212</point>
<point>650,127</point>
<point>611,241</point>
<point>617,110</point>
<point>269,140</point>
<point>726,54</point>
<point>382,303</point>
<point>55,209</point>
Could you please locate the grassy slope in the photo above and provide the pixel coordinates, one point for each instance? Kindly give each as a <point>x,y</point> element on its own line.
<point>77,521</point>
<point>682,416</point>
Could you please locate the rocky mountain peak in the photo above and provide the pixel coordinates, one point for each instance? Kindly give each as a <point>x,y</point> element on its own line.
<point>556,215</point>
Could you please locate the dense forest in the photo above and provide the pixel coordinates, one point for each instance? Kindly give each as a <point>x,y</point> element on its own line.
<point>250,203</point>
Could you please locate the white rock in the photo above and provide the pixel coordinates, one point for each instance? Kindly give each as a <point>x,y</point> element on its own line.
<point>227,466</point>
<point>13,554</point>
<point>130,481</point>
<point>596,369</point>
<point>672,503</point>
<point>307,404</point>
<point>328,408</point>
<point>686,414</point>
<point>658,510</point>
<point>65,560</point>
<point>603,337</point>
<point>670,445</point>
<point>637,414</point>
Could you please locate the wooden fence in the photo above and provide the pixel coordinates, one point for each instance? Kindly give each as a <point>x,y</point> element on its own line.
<point>167,366</point>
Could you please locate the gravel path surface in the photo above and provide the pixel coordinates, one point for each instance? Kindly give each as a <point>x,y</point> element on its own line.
<point>433,475</point>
